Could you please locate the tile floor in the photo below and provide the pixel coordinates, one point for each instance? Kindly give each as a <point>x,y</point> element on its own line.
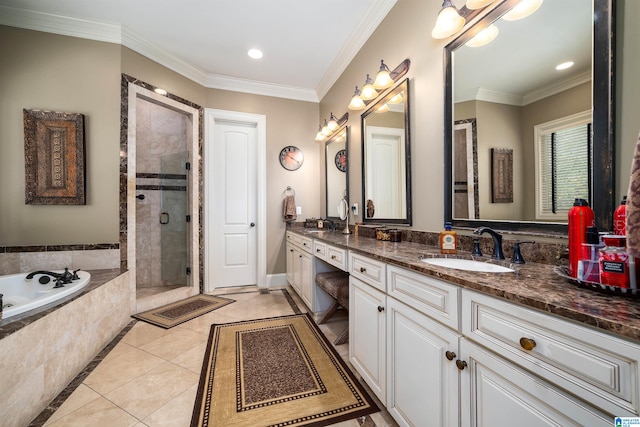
<point>150,378</point>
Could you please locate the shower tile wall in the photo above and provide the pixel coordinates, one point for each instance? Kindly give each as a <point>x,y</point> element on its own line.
<point>162,135</point>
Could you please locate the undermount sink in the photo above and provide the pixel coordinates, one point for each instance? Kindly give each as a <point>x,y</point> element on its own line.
<point>468,265</point>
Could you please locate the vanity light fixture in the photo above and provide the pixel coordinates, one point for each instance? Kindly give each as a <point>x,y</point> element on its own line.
<point>333,123</point>
<point>449,21</point>
<point>356,101</point>
<point>383,78</point>
<point>320,136</point>
<point>522,10</point>
<point>325,131</point>
<point>368,91</point>
<point>396,99</point>
<point>383,108</point>
<point>484,37</point>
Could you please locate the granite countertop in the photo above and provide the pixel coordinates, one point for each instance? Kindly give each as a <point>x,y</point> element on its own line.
<point>533,285</point>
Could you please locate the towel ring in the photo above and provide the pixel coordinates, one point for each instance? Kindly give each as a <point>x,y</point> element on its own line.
<point>289,191</point>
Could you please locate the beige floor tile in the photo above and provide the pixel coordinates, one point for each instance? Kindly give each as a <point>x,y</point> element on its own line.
<point>143,333</point>
<point>176,342</point>
<point>99,412</point>
<point>175,413</point>
<point>113,373</point>
<point>152,390</point>
<point>192,359</point>
<point>80,397</point>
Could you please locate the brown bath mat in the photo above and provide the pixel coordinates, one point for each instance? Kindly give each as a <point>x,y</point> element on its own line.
<point>175,313</point>
<point>279,371</point>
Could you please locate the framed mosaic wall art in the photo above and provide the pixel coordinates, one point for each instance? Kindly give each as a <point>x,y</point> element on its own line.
<point>54,158</point>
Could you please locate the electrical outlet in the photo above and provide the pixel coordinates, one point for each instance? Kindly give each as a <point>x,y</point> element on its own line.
<point>354,209</point>
<point>298,210</point>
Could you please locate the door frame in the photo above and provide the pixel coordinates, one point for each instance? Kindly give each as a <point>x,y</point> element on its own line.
<point>260,121</point>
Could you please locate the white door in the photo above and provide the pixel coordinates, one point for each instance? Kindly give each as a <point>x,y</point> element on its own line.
<point>234,202</point>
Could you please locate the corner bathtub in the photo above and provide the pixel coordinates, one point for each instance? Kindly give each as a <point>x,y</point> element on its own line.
<point>21,294</point>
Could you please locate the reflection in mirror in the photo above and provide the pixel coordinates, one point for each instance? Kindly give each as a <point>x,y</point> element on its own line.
<point>386,174</point>
<point>510,89</point>
<point>336,167</point>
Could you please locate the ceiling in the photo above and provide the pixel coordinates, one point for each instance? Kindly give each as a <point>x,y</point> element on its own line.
<point>306,44</point>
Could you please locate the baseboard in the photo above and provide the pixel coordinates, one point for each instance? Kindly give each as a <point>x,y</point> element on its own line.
<point>276,280</point>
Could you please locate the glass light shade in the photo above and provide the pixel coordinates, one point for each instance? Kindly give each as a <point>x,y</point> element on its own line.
<point>382,109</point>
<point>522,10</point>
<point>383,78</point>
<point>448,23</point>
<point>333,123</point>
<point>325,129</point>
<point>320,137</point>
<point>483,37</point>
<point>368,91</point>
<point>396,99</point>
<point>478,4</point>
<point>356,102</point>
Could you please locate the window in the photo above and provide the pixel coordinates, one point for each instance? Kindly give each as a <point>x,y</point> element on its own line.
<point>563,165</point>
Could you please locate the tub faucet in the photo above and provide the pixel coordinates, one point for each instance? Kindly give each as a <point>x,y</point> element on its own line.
<point>332,225</point>
<point>48,273</point>
<point>497,241</point>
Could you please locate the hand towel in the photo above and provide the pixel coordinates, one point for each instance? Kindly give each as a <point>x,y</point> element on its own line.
<point>633,205</point>
<point>289,212</point>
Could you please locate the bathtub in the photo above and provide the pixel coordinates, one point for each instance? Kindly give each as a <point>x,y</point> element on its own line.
<point>21,294</point>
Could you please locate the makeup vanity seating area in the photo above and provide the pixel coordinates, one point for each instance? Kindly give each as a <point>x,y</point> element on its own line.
<point>445,347</point>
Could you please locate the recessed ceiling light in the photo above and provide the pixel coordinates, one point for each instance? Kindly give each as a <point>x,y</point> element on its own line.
<point>564,65</point>
<point>255,53</point>
<point>160,91</point>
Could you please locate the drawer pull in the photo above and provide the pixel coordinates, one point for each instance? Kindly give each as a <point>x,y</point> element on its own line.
<point>362,269</point>
<point>380,308</point>
<point>450,355</point>
<point>527,343</point>
<point>317,249</point>
<point>461,364</point>
<point>333,257</point>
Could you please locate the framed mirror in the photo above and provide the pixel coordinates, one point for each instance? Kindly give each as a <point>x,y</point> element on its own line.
<point>336,171</point>
<point>386,166</point>
<point>504,98</point>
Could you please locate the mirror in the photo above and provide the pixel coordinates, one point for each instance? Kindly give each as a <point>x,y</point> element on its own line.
<point>386,169</point>
<point>336,167</point>
<point>499,94</point>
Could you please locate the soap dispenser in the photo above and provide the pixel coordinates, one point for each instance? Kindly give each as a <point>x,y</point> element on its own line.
<point>448,240</point>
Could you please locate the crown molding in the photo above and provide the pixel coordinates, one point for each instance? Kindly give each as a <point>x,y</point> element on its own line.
<point>114,33</point>
<point>557,87</point>
<point>63,25</point>
<point>359,36</point>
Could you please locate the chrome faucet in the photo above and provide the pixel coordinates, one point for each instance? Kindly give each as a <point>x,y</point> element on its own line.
<point>497,241</point>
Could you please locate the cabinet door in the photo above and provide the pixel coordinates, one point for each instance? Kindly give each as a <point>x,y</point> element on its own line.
<point>422,383</point>
<point>306,282</point>
<point>367,334</point>
<point>497,393</point>
<point>290,263</point>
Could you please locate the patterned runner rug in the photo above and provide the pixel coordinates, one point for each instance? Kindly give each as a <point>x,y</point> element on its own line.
<point>175,313</point>
<point>279,371</point>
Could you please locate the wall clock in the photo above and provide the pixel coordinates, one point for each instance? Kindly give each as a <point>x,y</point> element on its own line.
<point>291,158</point>
<point>341,160</point>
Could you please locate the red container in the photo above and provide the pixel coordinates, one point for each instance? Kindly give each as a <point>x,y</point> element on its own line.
<point>620,218</point>
<point>614,267</point>
<point>580,217</point>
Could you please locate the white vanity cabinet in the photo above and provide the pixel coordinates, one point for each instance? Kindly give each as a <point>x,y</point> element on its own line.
<point>302,268</point>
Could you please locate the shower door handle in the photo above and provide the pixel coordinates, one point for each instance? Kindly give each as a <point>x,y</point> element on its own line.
<point>164,218</point>
<point>253,224</point>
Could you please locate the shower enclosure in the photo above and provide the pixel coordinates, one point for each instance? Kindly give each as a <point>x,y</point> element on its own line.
<point>163,136</point>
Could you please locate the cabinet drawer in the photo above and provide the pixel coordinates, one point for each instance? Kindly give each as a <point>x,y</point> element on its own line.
<point>433,297</point>
<point>592,365</point>
<point>306,244</point>
<point>320,250</point>
<point>293,238</point>
<point>337,257</point>
<point>369,270</point>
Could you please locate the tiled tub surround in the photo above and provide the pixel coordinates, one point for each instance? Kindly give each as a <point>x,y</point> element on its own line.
<point>42,352</point>
<point>25,259</point>
<point>535,285</point>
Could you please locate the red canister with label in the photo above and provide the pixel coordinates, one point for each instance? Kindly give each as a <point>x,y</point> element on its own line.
<point>614,266</point>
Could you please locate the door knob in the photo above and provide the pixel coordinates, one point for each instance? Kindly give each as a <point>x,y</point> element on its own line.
<point>253,224</point>
<point>527,343</point>
<point>461,364</point>
<point>450,355</point>
<point>380,308</point>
